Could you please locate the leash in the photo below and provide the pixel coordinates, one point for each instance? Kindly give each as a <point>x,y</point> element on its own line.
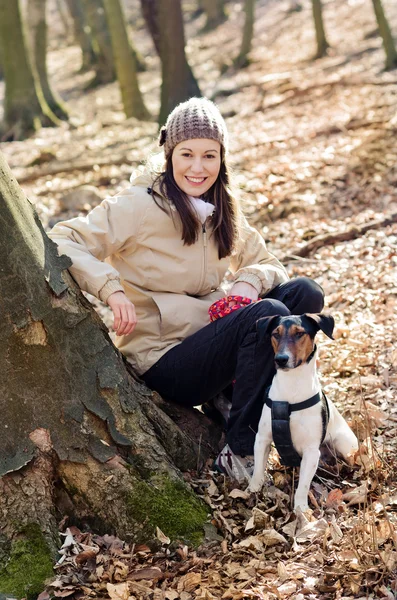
<point>281,411</point>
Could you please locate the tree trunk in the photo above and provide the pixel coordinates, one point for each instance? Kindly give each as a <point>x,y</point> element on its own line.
<point>38,43</point>
<point>96,17</point>
<point>150,11</point>
<point>80,435</point>
<point>125,62</point>
<point>215,11</point>
<point>242,59</point>
<point>25,108</point>
<point>387,37</point>
<point>63,17</point>
<point>322,44</point>
<point>178,81</point>
<point>82,36</point>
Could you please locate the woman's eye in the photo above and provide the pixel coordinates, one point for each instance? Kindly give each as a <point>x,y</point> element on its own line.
<point>186,154</point>
<point>210,156</point>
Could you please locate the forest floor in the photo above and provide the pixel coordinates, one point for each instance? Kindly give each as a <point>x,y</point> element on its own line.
<point>314,146</point>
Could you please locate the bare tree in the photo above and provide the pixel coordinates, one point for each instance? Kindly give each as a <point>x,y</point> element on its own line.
<point>242,60</point>
<point>178,82</point>
<point>321,39</point>
<point>386,35</point>
<point>82,34</point>
<point>215,12</point>
<point>104,66</point>
<point>25,108</point>
<point>81,436</point>
<point>38,42</point>
<point>125,62</point>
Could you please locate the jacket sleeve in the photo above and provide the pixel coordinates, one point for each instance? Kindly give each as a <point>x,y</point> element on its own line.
<point>254,264</point>
<point>89,240</point>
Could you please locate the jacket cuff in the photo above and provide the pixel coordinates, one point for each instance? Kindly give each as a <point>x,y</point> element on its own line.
<point>252,279</point>
<point>113,285</point>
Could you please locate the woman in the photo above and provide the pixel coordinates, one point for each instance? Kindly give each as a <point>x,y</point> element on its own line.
<point>168,241</point>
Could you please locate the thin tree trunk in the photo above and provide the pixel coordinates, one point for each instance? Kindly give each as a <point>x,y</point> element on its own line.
<point>105,71</point>
<point>150,11</point>
<point>386,34</point>
<point>38,42</point>
<point>242,59</point>
<point>321,39</point>
<point>215,11</point>
<point>82,37</point>
<point>80,435</point>
<point>64,17</point>
<point>125,62</point>
<point>178,81</point>
<point>25,108</point>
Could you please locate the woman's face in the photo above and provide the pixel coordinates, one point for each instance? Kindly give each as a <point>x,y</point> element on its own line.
<point>196,164</point>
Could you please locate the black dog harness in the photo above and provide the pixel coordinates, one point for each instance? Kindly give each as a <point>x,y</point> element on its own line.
<point>281,411</point>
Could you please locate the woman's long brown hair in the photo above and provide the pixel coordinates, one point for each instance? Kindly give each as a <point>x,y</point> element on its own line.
<point>225,216</point>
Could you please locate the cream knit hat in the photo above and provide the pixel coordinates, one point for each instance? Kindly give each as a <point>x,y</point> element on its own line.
<point>195,118</point>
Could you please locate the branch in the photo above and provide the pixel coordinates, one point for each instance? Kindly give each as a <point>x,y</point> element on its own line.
<point>328,239</point>
<point>66,167</point>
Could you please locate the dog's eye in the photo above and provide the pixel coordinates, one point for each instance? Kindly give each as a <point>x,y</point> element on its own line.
<point>276,335</point>
<point>299,334</point>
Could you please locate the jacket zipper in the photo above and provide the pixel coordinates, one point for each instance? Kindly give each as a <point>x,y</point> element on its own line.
<point>204,267</point>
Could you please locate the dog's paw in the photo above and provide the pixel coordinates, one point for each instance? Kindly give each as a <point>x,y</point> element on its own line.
<point>255,485</point>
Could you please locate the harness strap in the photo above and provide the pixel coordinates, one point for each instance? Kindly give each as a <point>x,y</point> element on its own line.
<point>281,430</point>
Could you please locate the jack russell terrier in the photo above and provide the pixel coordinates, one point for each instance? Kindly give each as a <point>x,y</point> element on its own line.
<point>296,413</point>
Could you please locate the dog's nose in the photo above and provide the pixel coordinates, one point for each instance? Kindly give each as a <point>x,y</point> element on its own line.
<point>281,359</point>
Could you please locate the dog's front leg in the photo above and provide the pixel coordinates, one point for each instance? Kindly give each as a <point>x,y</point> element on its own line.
<point>309,464</point>
<point>263,441</point>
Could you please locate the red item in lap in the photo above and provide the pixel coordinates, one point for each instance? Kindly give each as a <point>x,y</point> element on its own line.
<point>221,307</point>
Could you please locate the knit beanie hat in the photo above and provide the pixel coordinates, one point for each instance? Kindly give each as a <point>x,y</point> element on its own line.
<point>195,118</point>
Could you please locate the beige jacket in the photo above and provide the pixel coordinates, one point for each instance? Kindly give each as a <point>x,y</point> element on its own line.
<point>128,243</point>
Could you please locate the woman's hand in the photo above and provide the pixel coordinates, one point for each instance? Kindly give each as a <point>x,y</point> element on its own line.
<point>241,288</point>
<point>123,312</point>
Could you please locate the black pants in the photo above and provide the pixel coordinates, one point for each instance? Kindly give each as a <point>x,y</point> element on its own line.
<point>207,362</point>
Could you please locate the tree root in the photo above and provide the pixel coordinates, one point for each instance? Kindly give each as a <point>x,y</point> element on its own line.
<point>329,239</point>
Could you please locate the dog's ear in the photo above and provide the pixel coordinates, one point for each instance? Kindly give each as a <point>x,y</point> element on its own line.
<point>265,325</point>
<point>324,322</point>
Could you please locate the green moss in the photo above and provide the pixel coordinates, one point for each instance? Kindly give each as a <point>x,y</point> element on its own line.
<point>29,564</point>
<point>169,505</point>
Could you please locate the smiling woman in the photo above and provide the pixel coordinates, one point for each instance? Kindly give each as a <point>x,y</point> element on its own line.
<point>169,240</point>
<point>196,165</point>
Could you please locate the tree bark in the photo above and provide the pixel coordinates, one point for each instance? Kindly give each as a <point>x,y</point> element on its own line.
<point>321,39</point>
<point>81,436</point>
<point>150,11</point>
<point>125,62</point>
<point>105,71</point>
<point>215,12</point>
<point>242,59</point>
<point>63,17</point>
<point>178,81</point>
<point>82,37</point>
<point>38,43</point>
<point>386,35</point>
<point>25,108</point>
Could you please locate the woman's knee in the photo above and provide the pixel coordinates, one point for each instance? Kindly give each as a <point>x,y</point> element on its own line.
<point>269,307</point>
<point>314,293</point>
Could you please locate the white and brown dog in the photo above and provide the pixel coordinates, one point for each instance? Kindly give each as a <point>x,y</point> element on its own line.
<point>296,413</point>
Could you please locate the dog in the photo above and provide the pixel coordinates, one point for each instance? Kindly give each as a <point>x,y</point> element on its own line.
<point>296,413</point>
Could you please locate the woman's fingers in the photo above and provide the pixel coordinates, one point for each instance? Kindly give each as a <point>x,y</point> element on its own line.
<point>116,315</point>
<point>123,312</point>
